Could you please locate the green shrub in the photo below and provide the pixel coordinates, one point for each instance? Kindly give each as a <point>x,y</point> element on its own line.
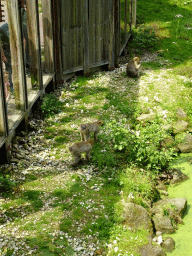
<point>141,146</point>
<point>103,157</point>
<point>144,38</point>
<point>6,184</point>
<point>50,105</point>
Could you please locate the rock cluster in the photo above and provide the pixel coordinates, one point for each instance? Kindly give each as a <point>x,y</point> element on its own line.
<point>165,214</point>
<point>180,129</point>
<point>162,218</point>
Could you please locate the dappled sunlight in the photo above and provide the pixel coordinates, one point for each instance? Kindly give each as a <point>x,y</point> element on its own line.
<point>43,221</point>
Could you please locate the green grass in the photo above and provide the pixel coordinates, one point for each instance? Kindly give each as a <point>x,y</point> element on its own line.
<point>49,204</point>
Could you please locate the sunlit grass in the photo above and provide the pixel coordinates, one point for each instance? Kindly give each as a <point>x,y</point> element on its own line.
<point>51,204</point>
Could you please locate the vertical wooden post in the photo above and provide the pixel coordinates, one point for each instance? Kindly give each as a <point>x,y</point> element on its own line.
<point>4,121</point>
<point>15,48</point>
<point>57,41</point>
<point>111,65</point>
<point>134,13</point>
<point>34,50</point>
<point>47,36</point>
<point>86,65</point>
<point>125,28</point>
<point>5,149</point>
<point>117,31</point>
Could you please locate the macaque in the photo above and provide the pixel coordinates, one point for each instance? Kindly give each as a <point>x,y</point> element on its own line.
<point>133,67</point>
<point>86,129</point>
<point>81,147</point>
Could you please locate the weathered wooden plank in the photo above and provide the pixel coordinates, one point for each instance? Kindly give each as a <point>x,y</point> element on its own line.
<point>57,41</point>
<point>33,41</point>
<point>80,53</point>
<point>47,36</point>
<point>106,34</point>
<point>98,31</point>
<point>111,36</point>
<point>16,53</point>
<point>80,33</point>
<point>86,38</point>
<point>92,17</point>
<point>134,12</point>
<point>117,30</point>
<point>3,113</point>
<point>126,19</point>
<point>64,49</point>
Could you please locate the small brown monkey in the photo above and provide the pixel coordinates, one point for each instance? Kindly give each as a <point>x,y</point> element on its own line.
<point>86,129</point>
<point>133,67</point>
<point>81,147</point>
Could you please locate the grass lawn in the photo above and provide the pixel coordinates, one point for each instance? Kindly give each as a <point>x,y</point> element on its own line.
<point>79,211</point>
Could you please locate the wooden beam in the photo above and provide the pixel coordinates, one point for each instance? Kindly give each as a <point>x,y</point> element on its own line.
<point>134,13</point>
<point>117,31</point>
<point>111,65</point>
<point>86,66</point>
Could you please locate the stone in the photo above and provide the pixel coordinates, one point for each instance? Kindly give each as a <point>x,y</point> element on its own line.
<point>180,205</point>
<point>167,142</point>
<point>180,126</point>
<point>150,250</point>
<point>136,217</point>
<point>186,145</point>
<point>190,128</point>
<point>178,176</point>
<point>168,127</point>
<point>161,185</point>
<point>169,244</point>
<point>163,224</point>
<point>181,114</point>
<point>175,209</point>
<point>146,117</point>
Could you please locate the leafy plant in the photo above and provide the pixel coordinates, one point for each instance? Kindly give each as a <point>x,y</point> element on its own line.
<point>141,146</point>
<point>50,105</point>
<point>103,157</point>
<point>6,184</point>
<point>144,38</point>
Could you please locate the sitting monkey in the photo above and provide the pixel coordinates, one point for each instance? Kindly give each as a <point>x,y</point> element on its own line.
<point>133,67</point>
<point>86,129</point>
<point>81,147</point>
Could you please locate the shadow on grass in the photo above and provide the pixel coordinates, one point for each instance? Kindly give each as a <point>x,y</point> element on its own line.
<point>88,214</point>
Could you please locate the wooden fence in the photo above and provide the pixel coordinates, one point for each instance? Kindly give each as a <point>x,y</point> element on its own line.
<point>93,33</point>
<point>43,42</point>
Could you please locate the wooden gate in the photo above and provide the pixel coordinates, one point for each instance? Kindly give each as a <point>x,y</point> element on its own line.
<point>85,34</point>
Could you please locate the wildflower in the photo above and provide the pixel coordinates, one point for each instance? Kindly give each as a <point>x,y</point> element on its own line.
<point>156,98</point>
<point>131,196</point>
<point>116,249</point>
<point>178,16</point>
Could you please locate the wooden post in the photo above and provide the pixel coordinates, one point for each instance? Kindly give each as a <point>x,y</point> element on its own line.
<point>3,113</point>
<point>86,65</point>
<point>117,31</point>
<point>56,14</point>
<point>126,16</point>
<point>111,65</point>
<point>16,51</point>
<point>134,13</point>
<point>33,40</point>
<point>47,36</point>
